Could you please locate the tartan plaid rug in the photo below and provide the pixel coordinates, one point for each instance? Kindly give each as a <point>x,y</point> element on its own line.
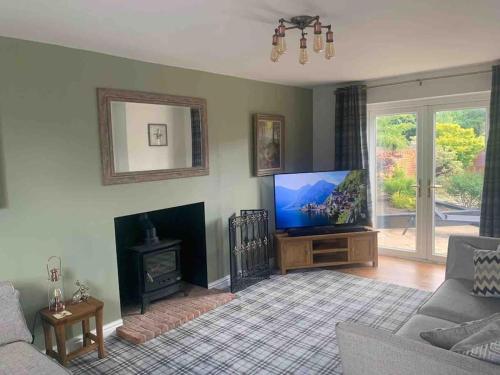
<point>285,325</point>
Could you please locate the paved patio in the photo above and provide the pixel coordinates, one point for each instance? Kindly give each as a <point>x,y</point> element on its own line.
<point>394,238</point>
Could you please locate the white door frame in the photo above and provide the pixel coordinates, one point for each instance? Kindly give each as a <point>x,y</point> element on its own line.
<point>372,115</point>
<point>474,102</point>
<point>425,110</point>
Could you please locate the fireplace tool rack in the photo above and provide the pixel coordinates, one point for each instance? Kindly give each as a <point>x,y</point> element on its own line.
<point>249,248</point>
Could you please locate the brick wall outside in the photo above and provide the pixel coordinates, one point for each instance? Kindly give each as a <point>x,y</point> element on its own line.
<point>405,159</point>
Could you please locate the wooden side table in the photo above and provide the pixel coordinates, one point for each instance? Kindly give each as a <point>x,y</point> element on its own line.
<point>81,312</point>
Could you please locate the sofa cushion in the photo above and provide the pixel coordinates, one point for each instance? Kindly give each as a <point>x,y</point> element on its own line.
<point>459,264</point>
<point>484,345</point>
<point>447,337</point>
<point>366,350</point>
<point>420,323</point>
<point>12,324</point>
<point>453,301</point>
<point>486,273</point>
<point>23,358</point>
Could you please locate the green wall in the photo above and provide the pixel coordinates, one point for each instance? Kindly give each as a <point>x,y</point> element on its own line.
<point>52,199</point>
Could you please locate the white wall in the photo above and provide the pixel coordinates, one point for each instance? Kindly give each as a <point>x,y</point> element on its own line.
<point>141,155</point>
<point>130,137</point>
<point>324,103</point>
<point>119,132</point>
<point>323,127</point>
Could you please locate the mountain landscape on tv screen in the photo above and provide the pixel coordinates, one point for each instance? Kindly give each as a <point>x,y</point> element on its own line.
<point>322,202</point>
<point>317,194</point>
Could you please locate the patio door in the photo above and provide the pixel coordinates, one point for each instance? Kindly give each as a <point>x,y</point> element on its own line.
<point>427,165</point>
<point>397,179</point>
<point>455,184</point>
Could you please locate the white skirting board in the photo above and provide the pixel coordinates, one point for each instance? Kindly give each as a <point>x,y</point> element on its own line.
<point>107,329</point>
<point>225,282</point>
<point>222,283</point>
<point>77,341</point>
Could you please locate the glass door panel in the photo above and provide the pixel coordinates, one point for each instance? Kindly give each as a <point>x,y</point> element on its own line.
<point>396,181</point>
<point>458,171</point>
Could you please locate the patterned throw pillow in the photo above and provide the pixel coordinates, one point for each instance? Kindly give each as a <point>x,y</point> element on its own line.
<point>484,345</point>
<point>486,273</point>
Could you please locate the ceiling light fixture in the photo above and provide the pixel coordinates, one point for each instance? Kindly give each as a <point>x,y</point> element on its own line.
<point>301,23</point>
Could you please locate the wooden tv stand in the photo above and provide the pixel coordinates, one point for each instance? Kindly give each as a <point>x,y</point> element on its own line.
<point>325,250</point>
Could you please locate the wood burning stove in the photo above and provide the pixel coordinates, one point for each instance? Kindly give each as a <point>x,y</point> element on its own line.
<point>157,271</point>
<point>143,276</point>
<point>156,266</point>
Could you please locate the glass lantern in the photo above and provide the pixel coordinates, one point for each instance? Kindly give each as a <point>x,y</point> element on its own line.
<point>55,284</point>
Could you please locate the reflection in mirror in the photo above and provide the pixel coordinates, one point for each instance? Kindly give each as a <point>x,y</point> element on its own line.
<point>149,137</point>
<point>153,136</point>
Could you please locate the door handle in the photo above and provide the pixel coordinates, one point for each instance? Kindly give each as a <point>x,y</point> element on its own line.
<point>430,187</point>
<point>418,187</point>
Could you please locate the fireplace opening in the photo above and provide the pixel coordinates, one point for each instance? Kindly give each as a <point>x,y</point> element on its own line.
<point>159,253</point>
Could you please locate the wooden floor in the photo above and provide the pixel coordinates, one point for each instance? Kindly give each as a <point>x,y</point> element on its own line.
<point>410,273</point>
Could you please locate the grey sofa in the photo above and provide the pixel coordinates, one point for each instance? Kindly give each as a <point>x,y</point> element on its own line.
<point>17,355</point>
<point>365,350</point>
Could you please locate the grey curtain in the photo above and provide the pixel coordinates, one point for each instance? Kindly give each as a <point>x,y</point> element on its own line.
<point>351,150</point>
<point>351,140</point>
<point>490,206</point>
<point>196,137</point>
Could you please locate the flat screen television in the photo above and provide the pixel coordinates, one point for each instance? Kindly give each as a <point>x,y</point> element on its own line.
<point>334,198</point>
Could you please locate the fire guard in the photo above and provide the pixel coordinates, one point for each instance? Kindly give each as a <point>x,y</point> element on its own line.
<point>249,248</point>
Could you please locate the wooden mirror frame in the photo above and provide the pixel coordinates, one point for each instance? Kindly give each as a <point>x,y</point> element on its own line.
<point>109,175</point>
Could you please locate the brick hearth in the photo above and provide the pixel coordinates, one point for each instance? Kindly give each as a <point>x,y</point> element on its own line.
<point>170,313</point>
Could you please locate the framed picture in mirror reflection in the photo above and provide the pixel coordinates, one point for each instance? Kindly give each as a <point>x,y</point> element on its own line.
<point>157,134</point>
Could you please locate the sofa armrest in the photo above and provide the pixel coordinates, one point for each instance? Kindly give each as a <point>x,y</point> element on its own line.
<point>459,264</point>
<point>366,350</point>
<point>22,358</point>
<point>6,288</point>
<point>12,322</point>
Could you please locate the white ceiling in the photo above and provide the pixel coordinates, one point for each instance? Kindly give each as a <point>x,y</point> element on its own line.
<point>374,38</point>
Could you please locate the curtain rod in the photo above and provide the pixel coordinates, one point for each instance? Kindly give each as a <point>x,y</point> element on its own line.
<point>419,81</point>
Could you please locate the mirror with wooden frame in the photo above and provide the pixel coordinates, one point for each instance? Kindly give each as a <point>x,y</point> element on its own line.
<point>149,137</point>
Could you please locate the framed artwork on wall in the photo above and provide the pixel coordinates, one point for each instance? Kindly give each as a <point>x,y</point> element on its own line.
<point>157,134</point>
<point>269,144</point>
